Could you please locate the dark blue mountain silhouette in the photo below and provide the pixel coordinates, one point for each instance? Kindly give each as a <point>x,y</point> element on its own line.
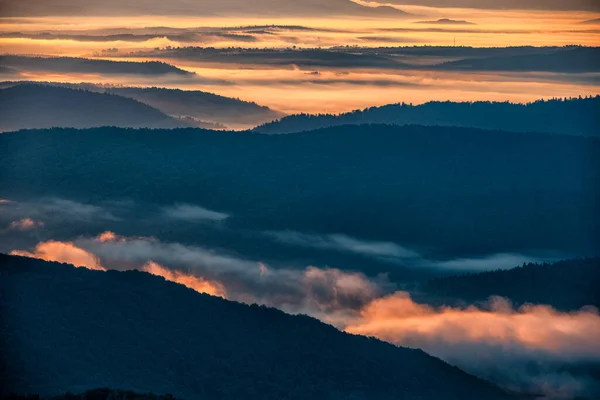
<point>570,116</point>
<point>566,285</point>
<point>40,106</point>
<point>576,60</point>
<point>455,190</point>
<point>196,104</point>
<point>72,329</point>
<point>86,65</point>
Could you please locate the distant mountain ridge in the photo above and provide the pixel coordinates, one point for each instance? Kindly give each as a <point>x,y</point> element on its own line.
<point>566,285</point>
<point>30,106</point>
<point>460,191</point>
<point>575,60</point>
<point>86,65</point>
<point>577,116</point>
<point>553,59</point>
<point>203,106</point>
<point>73,329</point>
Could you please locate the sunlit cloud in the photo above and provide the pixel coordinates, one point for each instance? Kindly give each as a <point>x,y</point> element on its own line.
<point>312,290</point>
<point>523,349</point>
<point>193,282</point>
<point>548,5</point>
<point>533,342</point>
<point>64,252</point>
<point>25,224</point>
<point>107,236</point>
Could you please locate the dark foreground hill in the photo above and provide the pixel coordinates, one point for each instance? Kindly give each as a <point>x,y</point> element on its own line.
<point>565,285</point>
<point>68,329</point>
<point>40,106</point>
<point>94,394</point>
<point>573,116</point>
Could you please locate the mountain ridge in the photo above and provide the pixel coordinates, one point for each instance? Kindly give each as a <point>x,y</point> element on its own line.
<point>39,106</point>
<point>200,105</point>
<point>570,116</point>
<point>163,324</point>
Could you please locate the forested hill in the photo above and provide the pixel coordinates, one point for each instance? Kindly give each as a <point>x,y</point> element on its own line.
<point>455,190</point>
<point>76,65</point>
<point>73,329</point>
<point>202,106</point>
<point>94,394</point>
<point>29,106</point>
<point>566,285</point>
<point>578,116</point>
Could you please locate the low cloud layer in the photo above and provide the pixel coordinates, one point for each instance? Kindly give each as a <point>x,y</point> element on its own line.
<point>54,208</point>
<point>64,252</point>
<point>550,5</point>
<point>25,224</point>
<point>193,213</point>
<point>193,282</point>
<point>315,291</point>
<point>531,348</point>
<point>524,349</point>
<point>395,253</point>
<point>344,243</point>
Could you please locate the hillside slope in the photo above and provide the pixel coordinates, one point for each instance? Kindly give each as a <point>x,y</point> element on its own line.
<point>574,116</point>
<point>68,329</point>
<point>201,105</point>
<point>565,285</point>
<point>32,106</point>
<point>575,60</point>
<point>68,65</point>
<point>458,191</point>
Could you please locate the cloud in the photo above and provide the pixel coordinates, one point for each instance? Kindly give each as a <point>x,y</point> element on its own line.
<point>57,210</point>
<point>395,253</point>
<point>205,8</point>
<point>75,210</point>
<point>193,282</point>
<point>558,5</point>
<point>486,263</point>
<point>530,348</point>
<point>343,243</point>
<point>389,39</point>
<point>25,224</point>
<point>192,213</point>
<point>107,236</point>
<point>525,348</point>
<point>446,21</point>
<point>312,290</point>
<point>64,252</point>
<point>591,21</point>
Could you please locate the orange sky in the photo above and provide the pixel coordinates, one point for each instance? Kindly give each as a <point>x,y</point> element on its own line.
<point>331,92</point>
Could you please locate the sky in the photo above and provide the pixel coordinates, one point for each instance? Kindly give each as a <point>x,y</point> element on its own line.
<point>118,29</point>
